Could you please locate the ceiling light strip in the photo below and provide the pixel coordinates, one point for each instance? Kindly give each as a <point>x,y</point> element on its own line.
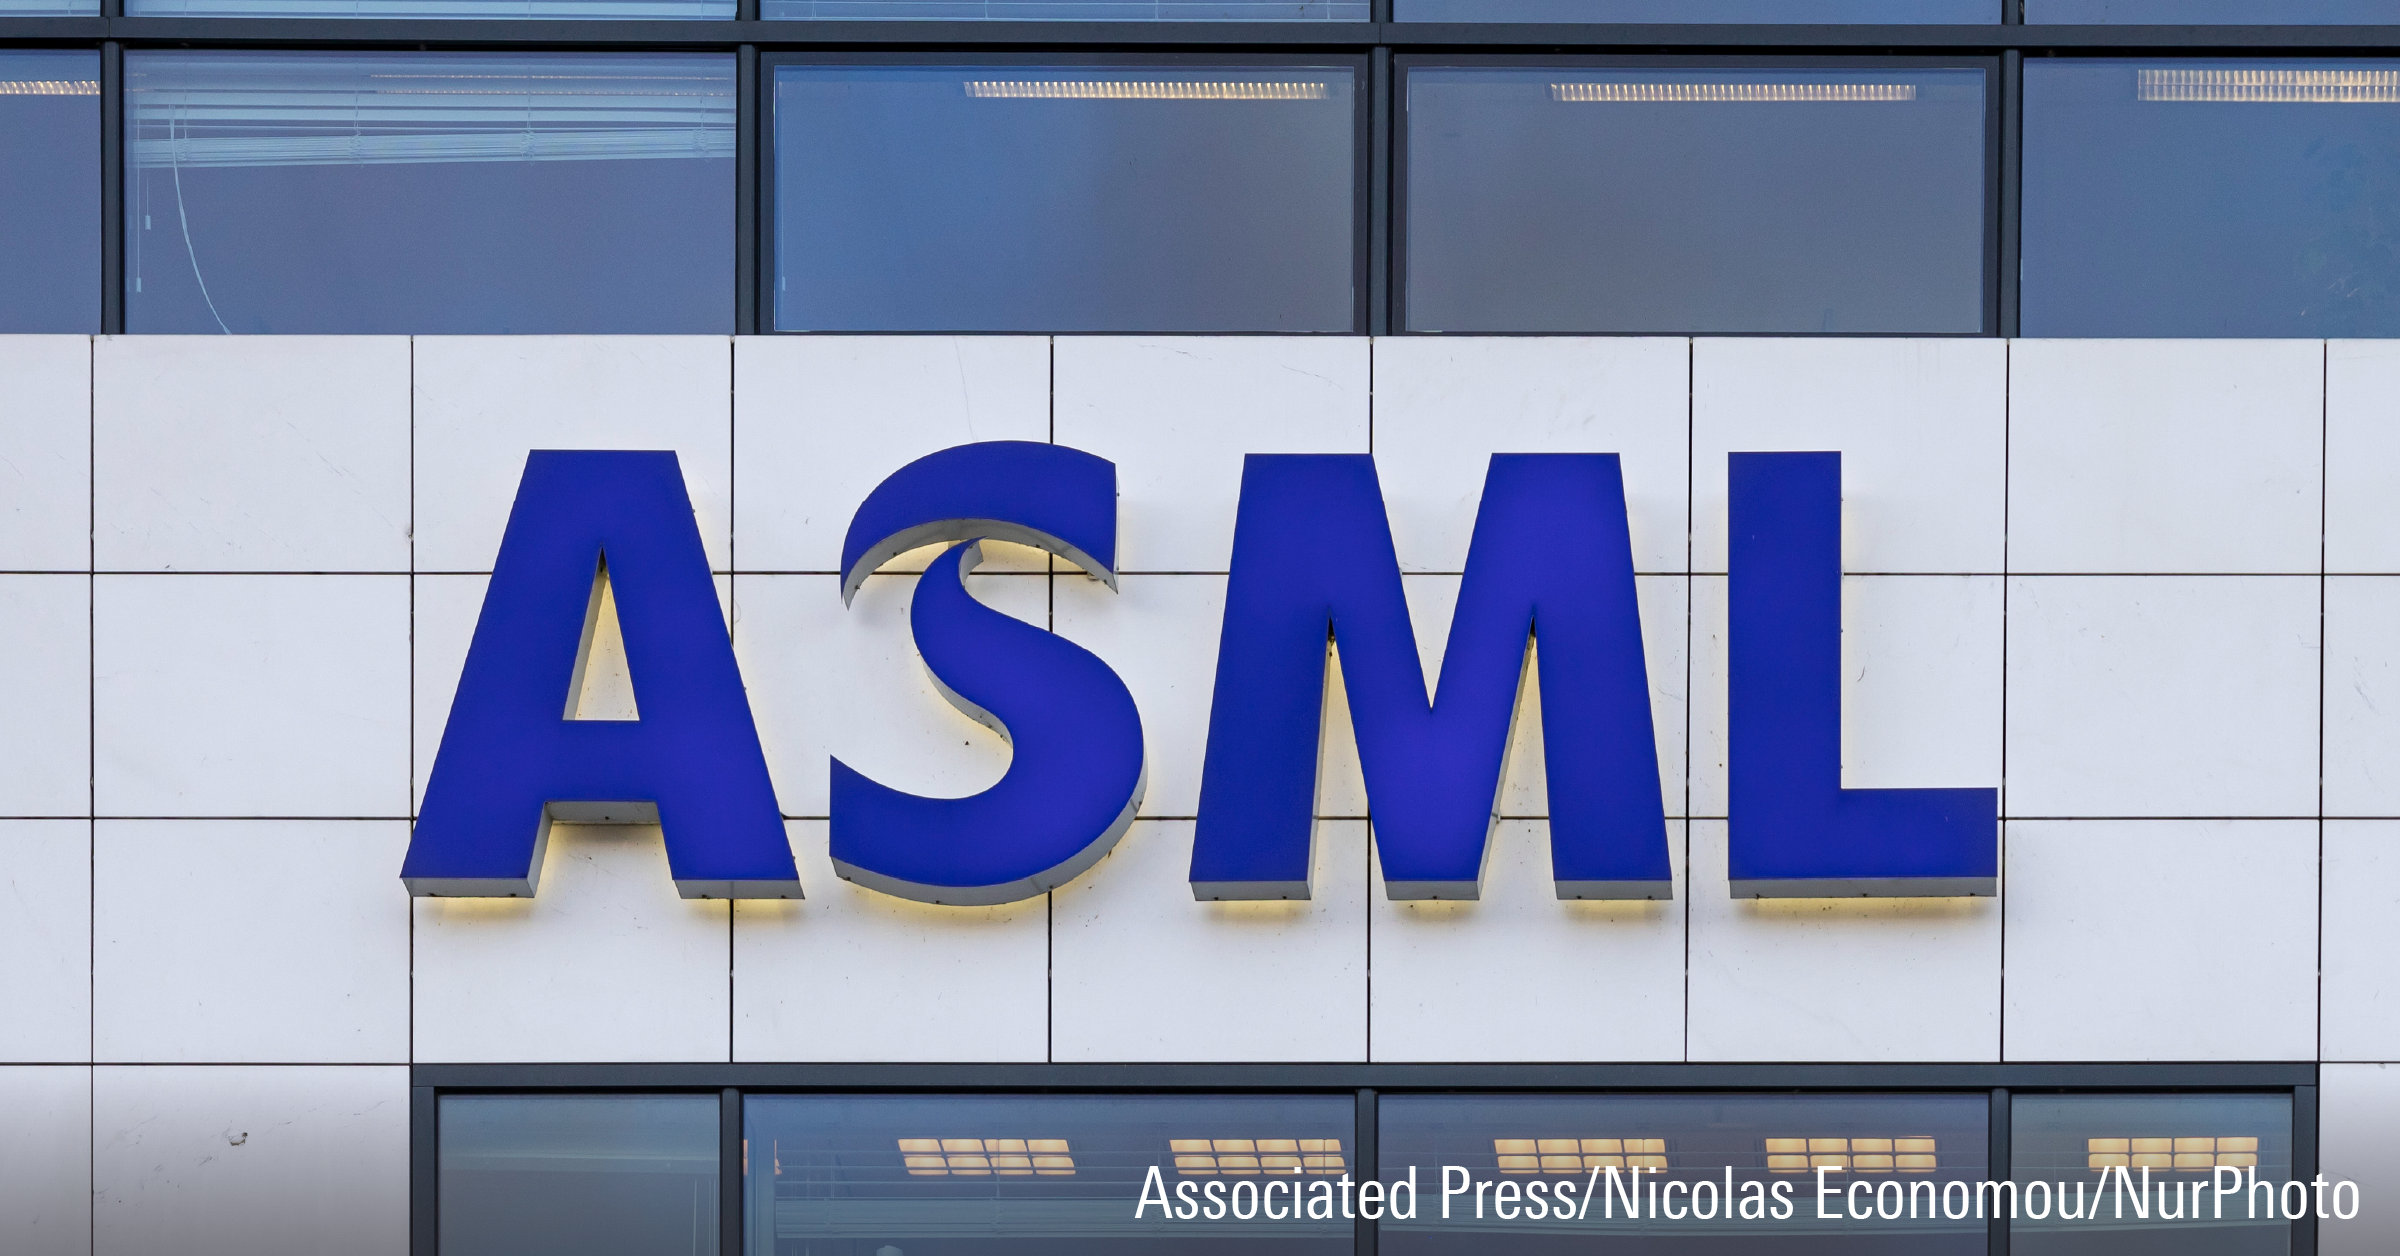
<point>1729,93</point>
<point>1128,89</point>
<point>49,87</point>
<point>2272,87</point>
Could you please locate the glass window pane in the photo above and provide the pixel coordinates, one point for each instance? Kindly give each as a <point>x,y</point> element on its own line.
<point>49,8</point>
<point>1072,10</point>
<point>1924,1152</point>
<point>49,191</point>
<point>1699,200</point>
<point>1051,198</point>
<point>2211,198</point>
<point>1050,1175</point>
<point>579,1175</point>
<point>685,9</point>
<point>2190,12</point>
<point>1945,12</point>
<point>466,192</point>
<point>2073,1143</point>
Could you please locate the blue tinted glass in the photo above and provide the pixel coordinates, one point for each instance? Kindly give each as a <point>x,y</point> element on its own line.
<point>1574,200</point>
<point>1917,1150</point>
<point>2187,12</point>
<point>1047,198</point>
<point>49,8</point>
<point>2061,1146</point>
<point>49,191</point>
<point>688,9</point>
<point>369,192</point>
<point>579,1175</point>
<point>1052,1175</point>
<point>1945,12</point>
<point>2211,198</point>
<point>1072,10</point>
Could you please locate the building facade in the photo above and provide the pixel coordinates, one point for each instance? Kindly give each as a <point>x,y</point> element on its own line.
<point>2094,317</point>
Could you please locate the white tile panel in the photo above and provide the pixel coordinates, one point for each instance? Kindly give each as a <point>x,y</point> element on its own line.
<point>2125,937</point>
<point>1921,426</point>
<point>45,453</point>
<point>484,402</point>
<point>813,666</point>
<point>819,421</point>
<point>605,964</point>
<point>250,942</point>
<point>251,695</point>
<point>46,1161</point>
<point>46,689</point>
<point>248,1161</point>
<point>2162,696</point>
<point>2362,696</point>
<point>1518,975</point>
<point>250,453</point>
<point>849,974</point>
<point>2360,977</point>
<point>1159,633</point>
<point>2165,455</point>
<point>1445,404</point>
<point>46,937</point>
<point>1838,979</point>
<point>2362,455</point>
<point>1921,684</point>
<point>1141,972</point>
<point>2358,1107</point>
<point>1177,415</point>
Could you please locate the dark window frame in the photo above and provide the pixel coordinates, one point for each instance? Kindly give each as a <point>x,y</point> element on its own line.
<point>1364,1082</point>
<point>1362,208</point>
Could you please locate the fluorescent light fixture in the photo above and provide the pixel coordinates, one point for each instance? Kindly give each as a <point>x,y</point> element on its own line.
<point>49,87</point>
<point>1576,1155</point>
<point>987,1157</point>
<point>1206,1157</point>
<point>1729,93</point>
<point>2163,1155</point>
<point>1911,1154</point>
<point>1141,89</point>
<point>2272,87</point>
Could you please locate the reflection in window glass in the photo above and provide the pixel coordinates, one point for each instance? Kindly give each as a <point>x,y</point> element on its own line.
<point>49,191</point>
<point>370,192</point>
<point>2078,1142</point>
<point>49,8</point>
<point>1948,12</point>
<point>1073,10</point>
<point>1048,198</point>
<point>686,9</point>
<point>1058,1175</point>
<point>1906,1149</point>
<point>2190,12</point>
<point>2211,198</point>
<point>579,1175</point>
<point>1577,200</point>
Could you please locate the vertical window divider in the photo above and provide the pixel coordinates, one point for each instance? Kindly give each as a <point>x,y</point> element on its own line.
<point>424,1171</point>
<point>112,183</point>
<point>1368,1166</point>
<point>1381,92</point>
<point>1996,1226</point>
<point>749,105</point>
<point>732,1172</point>
<point>2305,1167</point>
<point>2011,190</point>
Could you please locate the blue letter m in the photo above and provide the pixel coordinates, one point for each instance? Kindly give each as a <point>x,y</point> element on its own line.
<point>1550,562</point>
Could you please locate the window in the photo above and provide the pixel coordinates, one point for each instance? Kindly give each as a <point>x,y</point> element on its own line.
<point>2169,1147</point>
<point>1760,11</point>
<point>2211,198</point>
<point>2185,12</point>
<point>1028,197</point>
<point>592,1175</point>
<point>1062,1175</point>
<point>1917,1149</point>
<point>1695,200</point>
<point>49,8</point>
<point>49,191</point>
<point>685,9</point>
<point>469,192</point>
<point>1073,10</point>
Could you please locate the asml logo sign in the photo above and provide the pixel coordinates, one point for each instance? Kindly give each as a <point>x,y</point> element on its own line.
<point>1550,564</point>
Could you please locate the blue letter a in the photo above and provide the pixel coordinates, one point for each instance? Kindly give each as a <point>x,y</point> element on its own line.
<point>511,761</point>
<point>1550,560</point>
<point>1793,831</point>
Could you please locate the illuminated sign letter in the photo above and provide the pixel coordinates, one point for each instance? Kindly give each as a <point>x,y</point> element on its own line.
<point>512,760</point>
<point>1550,561</point>
<point>1076,772</point>
<point>1794,832</point>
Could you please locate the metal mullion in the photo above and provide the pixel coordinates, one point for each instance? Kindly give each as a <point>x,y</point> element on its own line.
<point>732,1172</point>
<point>112,187</point>
<point>424,1171</point>
<point>2304,1166</point>
<point>748,107</point>
<point>2012,193</point>
<point>1996,1226</point>
<point>1368,1166</point>
<point>1380,192</point>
